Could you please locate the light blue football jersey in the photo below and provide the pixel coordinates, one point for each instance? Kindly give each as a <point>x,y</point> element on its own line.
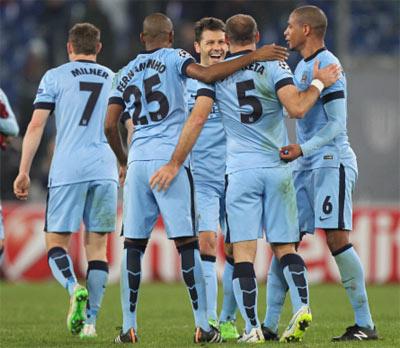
<point>207,159</point>
<point>322,133</point>
<point>252,114</point>
<point>77,92</point>
<point>151,88</point>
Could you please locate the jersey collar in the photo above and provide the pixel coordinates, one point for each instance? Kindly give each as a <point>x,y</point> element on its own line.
<point>315,54</point>
<point>85,61</point>
<point>150,51</point>
<point>239,53</point>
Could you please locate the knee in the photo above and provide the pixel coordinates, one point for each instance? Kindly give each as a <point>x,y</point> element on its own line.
<point>228,249</point>
<point>281,250</point>
<point>336,240</point>
<point>183,243</point>
<point>208,243</point>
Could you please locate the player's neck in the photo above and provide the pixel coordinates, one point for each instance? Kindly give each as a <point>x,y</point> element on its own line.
<point>74,57</point>
<point>238,48</point>
<point>311,47</point>
<point>155,45</point>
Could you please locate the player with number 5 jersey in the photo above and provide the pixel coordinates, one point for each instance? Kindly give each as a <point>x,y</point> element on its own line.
<point>83,179</point>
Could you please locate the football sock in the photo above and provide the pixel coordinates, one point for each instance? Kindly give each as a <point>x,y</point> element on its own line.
<point>193,277</point>
<point>1,255</point>
<point>210,277</point>
<point>229,303</point>
<point>61,266</point>
<point>245,289</point>
<point>294,270</point>
<point>96,281</point>
<point>353,280</point>
<point>276,293</point>
<point>130,281</point>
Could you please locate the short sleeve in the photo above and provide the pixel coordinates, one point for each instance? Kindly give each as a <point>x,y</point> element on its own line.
<point>337,90</point>
<point>47,92</point>
<point>205,90</point>
<point>281,75</point>
<point>182,60</point>
<point>116,93</point>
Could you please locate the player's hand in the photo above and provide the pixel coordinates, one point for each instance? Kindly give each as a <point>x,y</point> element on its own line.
<point>21,186</point>
<point>164,176</point>
<point>327,75</point>
<point>290,152</point>
<point>122,175</point>
<point>271,52</point>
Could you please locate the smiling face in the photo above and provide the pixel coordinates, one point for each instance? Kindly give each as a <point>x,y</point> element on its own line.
<point>295,33</point>
<point>212,47</point>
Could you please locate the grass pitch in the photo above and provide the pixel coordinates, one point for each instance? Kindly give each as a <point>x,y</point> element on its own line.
<point>34,315</point>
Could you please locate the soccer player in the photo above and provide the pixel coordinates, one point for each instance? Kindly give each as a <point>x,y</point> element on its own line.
<point>260,192</point>
<point>8,128</point>
<point>151,90</point>
<point>326,172</point>
<point>83,178</point>
<point>208,167</point>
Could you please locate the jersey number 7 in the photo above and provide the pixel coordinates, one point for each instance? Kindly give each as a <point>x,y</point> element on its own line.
<point>94,89</point>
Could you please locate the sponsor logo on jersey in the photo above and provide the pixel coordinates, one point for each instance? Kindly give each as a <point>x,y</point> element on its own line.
<point>184,54</point>
<point>284,66</point>
<point>328,157</point>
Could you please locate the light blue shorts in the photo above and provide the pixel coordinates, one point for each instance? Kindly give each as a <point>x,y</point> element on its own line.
<point>94,202</point>
<point>262,199</point>
<point>324,198</point>
<point>210,203</point>
<point>142,205</point>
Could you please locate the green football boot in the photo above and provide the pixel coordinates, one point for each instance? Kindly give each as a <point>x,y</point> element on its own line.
<point>228,330</point>
<point>77,310</point>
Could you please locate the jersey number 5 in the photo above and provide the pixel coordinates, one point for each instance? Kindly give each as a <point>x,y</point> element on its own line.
<point>94,89</point>
<point>150,96</point>
<point>241,89</point>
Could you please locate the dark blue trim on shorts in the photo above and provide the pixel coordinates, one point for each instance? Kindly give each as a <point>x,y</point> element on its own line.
<point>228,232</point>
<point>342,196</point>
<point>47,208</point>
<point>192,203</point>
<point>332,96</point>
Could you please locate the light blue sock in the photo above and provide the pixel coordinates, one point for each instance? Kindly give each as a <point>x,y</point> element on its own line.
<point>61,266</point>
<point>276,293</point>
<point>96,280</point>
<point>245,289</point>
<point>294,270</point>
<point>353,280</point>
<point>229,302</point>
<point>193,277</point>
<point>210,277</point>
<point>130,282</point>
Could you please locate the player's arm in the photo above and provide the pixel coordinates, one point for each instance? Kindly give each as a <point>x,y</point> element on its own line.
<point>221,70</point>
<point>190,132</point>
<point>298,103</point>
<point>30,145</point>
<point>111,131</point>
<point>335,109</point>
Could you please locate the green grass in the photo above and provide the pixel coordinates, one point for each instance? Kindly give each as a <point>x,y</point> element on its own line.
<point>34,315</point>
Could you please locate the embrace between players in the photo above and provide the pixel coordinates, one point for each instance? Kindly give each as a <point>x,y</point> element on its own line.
<point>238,176</point>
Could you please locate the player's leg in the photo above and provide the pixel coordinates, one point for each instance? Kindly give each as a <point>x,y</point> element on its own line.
<point>99,219</point>
<point>207,200</point>
<point>64,211</point>
<point>282,233</point>
<point>244,210</point>
<point>179,216</point>
<point>140,214</point>
<point>334,207</point>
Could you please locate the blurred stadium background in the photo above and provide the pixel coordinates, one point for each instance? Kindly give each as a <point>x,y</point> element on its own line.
<point>363,34</point>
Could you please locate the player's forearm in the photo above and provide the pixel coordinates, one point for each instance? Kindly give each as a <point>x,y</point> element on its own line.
<point>115,141</point>
<point>187,139</point>
<point>30,145</point>
<point>302,102</point>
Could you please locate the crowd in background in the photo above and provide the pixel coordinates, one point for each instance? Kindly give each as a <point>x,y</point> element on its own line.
<point>34,33</point>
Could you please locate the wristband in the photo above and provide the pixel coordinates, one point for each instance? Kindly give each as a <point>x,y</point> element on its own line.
<point>318,84</point>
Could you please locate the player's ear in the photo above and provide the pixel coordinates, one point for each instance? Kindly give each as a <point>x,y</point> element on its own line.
<point>142,40</point>
<point>99,46</point>
<point>196,47</point>
<point>306,29</point>
<point>171,37</point>
<point>257,37</point>
<point>69,48</point>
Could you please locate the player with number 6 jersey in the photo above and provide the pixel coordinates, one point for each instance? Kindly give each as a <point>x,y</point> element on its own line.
<point>83,179</point>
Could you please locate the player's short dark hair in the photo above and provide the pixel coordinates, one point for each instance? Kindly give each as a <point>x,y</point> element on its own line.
<point>207,23</point>
<point>314,17</point>
<point>84,38</point>
<point>241,29</point>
